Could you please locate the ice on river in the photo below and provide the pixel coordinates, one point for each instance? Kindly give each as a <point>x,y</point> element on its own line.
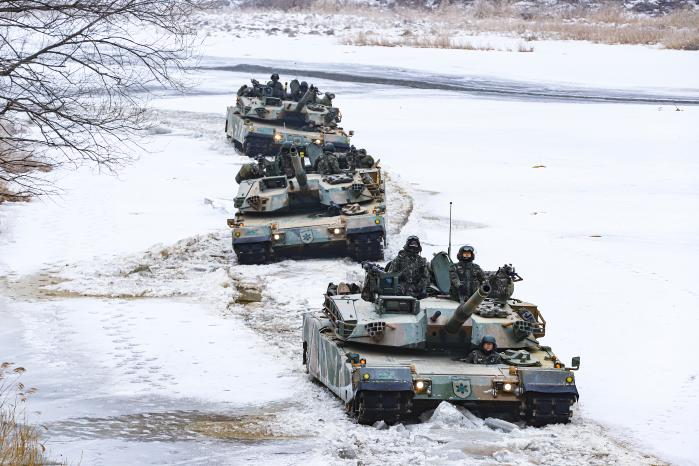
<point>123,300</point>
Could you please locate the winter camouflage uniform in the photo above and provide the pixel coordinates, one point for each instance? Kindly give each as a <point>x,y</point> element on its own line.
<point>481,356</point>
<point>414,275</point>
<point>277,87</point>
<point>466,276</point>
<point>328,164</point>
<point>250,171</point>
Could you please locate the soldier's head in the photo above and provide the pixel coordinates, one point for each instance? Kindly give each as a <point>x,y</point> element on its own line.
<point>488,343</point>
<point>362,151</point>
<point>328,147</point>
<point>274,77</point>
<point>303,86</point>
<point>412,244</point>
<point>466,253</point>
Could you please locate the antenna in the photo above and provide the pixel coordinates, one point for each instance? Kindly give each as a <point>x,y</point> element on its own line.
<point>449,249</point>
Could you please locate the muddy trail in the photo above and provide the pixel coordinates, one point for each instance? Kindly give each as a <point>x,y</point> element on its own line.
<point>471,85</point>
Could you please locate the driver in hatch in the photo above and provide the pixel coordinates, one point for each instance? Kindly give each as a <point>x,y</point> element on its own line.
<point>486,353</point>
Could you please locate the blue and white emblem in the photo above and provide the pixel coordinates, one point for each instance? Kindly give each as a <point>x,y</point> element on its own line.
<point>462,388</point>
<point>306,236</point>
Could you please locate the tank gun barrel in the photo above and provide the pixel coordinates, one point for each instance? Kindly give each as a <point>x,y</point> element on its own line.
<point>305,98</point>
<point>464,311</point>
<point>299,170</point>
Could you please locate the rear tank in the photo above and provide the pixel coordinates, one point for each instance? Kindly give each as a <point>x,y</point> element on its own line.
<point>285,208</point>
<point>391,357</point>
<point>262,120</point>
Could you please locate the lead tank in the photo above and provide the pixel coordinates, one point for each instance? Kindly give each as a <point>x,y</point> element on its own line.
<point>286,208</point>
<point>262,120</point>
<point>391,357</point>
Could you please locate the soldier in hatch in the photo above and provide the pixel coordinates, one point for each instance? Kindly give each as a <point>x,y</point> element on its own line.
<point>277,87</point>
<point>251,171</point>
<point>486,353</point>
<point>414,277</point>
<point>327,99</point>
<point>282,162</point>
<point>328,164</point>
<point>466,276</point>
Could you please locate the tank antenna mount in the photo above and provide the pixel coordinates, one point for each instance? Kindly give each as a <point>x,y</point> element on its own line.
<point>449,248</point>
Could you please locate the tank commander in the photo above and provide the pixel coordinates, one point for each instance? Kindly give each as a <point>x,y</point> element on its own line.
<point>466,276</point>
<point>328,164</point>
<point>277,87</point>
<point>486,353</point>
<point>414,276</point>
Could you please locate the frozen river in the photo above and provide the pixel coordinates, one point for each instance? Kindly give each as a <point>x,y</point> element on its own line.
<point>122,299</point>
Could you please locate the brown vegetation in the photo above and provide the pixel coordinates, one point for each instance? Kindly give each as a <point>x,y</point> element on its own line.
<point>20,443</point>
<point>608,24</point>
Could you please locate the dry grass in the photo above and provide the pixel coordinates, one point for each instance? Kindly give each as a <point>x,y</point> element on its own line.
<point>20,443</point>
<point>608,24</point>
<point>438,41</point>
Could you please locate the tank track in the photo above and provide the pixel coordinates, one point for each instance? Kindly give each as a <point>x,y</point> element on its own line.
<point>390,407</point>
<point>543,408</point>
<point>254,253</point>
<point>366,247</point>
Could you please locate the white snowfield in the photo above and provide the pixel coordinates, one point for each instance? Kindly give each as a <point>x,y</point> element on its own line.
<point>123,300</point>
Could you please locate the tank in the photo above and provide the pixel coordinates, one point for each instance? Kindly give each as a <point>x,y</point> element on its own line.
<point>285,208</point>
<point>392,357</point>
<point>262,120</point>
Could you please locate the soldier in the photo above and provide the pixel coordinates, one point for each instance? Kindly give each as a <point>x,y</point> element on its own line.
<point>486,353</point>
<point>277,87</point>
<point>243,91</point>
<point>328,164</point>
<point>466,276</point>
<point>303,88</point>
<point>414,276</point>
<point>250,171</point>
<point>282,161</point>
<point>364,160</point>
<point>327,99</point>
<point>294,89</point>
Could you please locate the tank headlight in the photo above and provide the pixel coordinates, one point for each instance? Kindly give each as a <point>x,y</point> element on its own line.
<point>276,237</point>
<point>377,221</point>
<point>366,376</point>
<point>507,387</point>
<point>422,386</point>
<point>569,379</point>
<point>277,137</point>
<point>237,234</point>
<point>336,231</point>
<point>318,141</point>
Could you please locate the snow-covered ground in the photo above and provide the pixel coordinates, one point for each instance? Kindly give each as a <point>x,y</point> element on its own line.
<point>124,302</point>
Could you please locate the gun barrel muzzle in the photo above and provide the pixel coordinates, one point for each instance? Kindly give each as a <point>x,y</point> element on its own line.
<point>464,311</point>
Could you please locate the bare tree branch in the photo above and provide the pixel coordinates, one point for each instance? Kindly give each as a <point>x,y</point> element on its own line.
<point>74,76</point>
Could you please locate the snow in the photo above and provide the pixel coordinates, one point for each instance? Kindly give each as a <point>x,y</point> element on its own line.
<point>120,296</point>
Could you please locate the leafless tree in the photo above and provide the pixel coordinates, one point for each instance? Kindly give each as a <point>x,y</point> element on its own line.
<point>75,76</point>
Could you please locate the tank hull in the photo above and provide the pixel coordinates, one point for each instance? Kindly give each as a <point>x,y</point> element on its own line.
<point>264,238</point>
<point>386,387</point>
<point>253,137</point>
